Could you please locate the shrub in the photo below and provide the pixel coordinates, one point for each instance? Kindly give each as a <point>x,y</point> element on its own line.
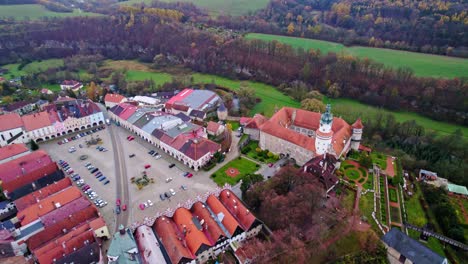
<point>257,165</point>
<point>258,150</point>
<point>269,154</point>
<point>262,159</point>
<point>213,175</point>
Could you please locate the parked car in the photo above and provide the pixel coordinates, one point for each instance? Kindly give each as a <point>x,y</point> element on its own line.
<point>150,203</point>
<point>186,174</point>
<point>168,195</point>
<point>162,197</point>
<point>142,207</point>
<point>172,165</point>
<point>270,165</point>
<point>168,179</point>
<point>151,152</point>
<point>87,164</point>
<point>102,179</point>
<point>172,192</point>
<point>190,175</point>
<point>131,155</point>
<point>117,209</point>
<point>124,207</point>
<point>86,187</point>
<point>106,182</point>
<point>183,187</point>
<point>94,170</point>
<point>147,166</point>
<point>117,202</point>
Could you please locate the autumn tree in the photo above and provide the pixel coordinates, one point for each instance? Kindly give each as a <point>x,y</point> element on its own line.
<point>93,91</point>
<point>312,104</point>
<point>291,28</point>
<point>334,90</point>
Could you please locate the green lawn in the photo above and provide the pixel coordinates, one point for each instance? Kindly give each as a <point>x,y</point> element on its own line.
<point>234,125</point>
<point>33,12</point>
<point>392,193</point>
<point>243,165</point>
<point>159,78</point>
<point>370,181</point>
<point>421,64</point>
<point>52,87</point>
<point>341,105</point>
<point>379,159</point>
<point>33,67</point>
<point>352,174</point>
<point>217,7</point>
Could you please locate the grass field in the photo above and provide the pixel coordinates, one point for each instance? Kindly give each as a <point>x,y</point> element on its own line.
<point>421,64</point>
<point>33,67</point>
<point>33,12</point>
<point>217,7</point>
<point>441,128</point>
<point>243,165</point>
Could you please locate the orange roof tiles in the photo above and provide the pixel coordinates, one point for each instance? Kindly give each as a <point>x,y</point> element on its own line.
<point>97,223</point>
<point>56,230</point>
<point>22,180</point>
<point>194,237</point>
<point>237,209</point>
<point>36,121</point>
<point>23,165</point>
<point>229,222</point>
<point>30,199</point>
<point>12,150</point>
<point>114,98</point>
<point>358,124</point>
<point>172,240</point>
<point>212,127</point>
<point>210,227</point>
<point>256,122</point>
<point>47,205</point>
<point>10,121</point>
<point>278,126</point>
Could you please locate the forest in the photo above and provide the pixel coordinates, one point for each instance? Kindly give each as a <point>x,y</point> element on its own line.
<point>430,26</point>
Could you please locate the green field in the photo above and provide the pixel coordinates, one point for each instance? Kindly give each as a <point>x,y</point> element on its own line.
<point>244,166</point>
<point>33,12</point>
<point>421,64</point>
<point>217,7</point>
<point>33,67</point>
<point>159,78</point>
<point>442,128</point>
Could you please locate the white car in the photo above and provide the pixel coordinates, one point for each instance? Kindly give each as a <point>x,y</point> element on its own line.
<point>172,192</point>
<point>168,179</point>
<point>146,204</point>
<point>150,203</point>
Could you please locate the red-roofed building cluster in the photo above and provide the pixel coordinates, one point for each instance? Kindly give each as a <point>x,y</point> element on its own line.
<point>73,85</point>
<point>52,219</point>
<point>197,234</point>
<point>183,140</point>
<point>302,135</point>
<point>57,119</point>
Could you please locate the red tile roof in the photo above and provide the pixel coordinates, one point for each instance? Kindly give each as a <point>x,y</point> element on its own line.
<point>244,217</point>
<point>36,121</point>
<point>197,148</point>
<point>278,126</point>
<point>212,127</point>
<point>64,245</point>
<point>211,228</point>
<point>172,239</point>
<point>28,178</point>
<point>244,120</point>
<point>194,237</point>
<point>64,211</point>
<point>30,199</point>
<point>12,150</point>
<point>256,122</point>
<point>114,98</point>
<point>179,97</point>
<point>47,205</point>
<point>358,124</point>
<point>228,221</point>
<point>10,121</point>
<point>127,111</point>
<point>24,165</point>
<point>56,230</point>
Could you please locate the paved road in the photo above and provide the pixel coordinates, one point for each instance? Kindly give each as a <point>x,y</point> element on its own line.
<point>120,178</point>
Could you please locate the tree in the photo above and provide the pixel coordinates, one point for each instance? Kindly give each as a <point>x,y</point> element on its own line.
<point>291,28</point>
<point>334,90</point>
<point>34,145</point>
<point>93,91</point>
<point>249,180</point>
<point>365,160</point>
<point>312,104</point>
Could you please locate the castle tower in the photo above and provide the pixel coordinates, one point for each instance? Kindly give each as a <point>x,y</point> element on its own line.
<point>222,112</point>
<point>324,135</point>
<point>357,134</point>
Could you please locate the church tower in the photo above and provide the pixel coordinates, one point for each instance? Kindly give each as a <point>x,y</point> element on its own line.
<point>324,135</point>
<point>357,134</point>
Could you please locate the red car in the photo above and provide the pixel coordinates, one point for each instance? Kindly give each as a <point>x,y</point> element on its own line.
<point>147,166</point>
<point>270,165</point>
<point>189,175</point>
<point>117,202</point>
<point>124,207</point>
<point>86,187</point>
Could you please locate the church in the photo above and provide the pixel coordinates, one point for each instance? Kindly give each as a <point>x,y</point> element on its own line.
<point>303,135</point>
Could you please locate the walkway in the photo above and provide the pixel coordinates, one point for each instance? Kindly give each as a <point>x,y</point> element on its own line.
<point>390,171</point>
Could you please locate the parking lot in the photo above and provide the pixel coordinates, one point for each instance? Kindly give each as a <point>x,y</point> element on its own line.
<point>200,183</point>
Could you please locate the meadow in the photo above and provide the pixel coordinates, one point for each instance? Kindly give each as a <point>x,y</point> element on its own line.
<point>217,7</point>
<point>33,67</point>
<point>421,64</point>
<point>34,12</point>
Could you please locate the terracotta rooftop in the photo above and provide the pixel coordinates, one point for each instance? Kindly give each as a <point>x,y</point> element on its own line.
<point>224,216</point>
<point>197,148</point>
<point>50,170</point>
<point>279,124</point>
<point>172,239</point>
<point>24,165</point>
<point>244,217</point>
<point>30,199</point>
<point>68,223</point>
<point>12,150</point>
<point>192,230</point>
<point>35,121</point>
<point>148,245</point>
<point>358,124</point>
<point>114,98</point>
<point>127,111</point>
<point>212,126</point>
<point>211,229</point>
<point>64,211</point>
<point>48,204</point>
<point>10,121</point>
<point>256,122</point>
